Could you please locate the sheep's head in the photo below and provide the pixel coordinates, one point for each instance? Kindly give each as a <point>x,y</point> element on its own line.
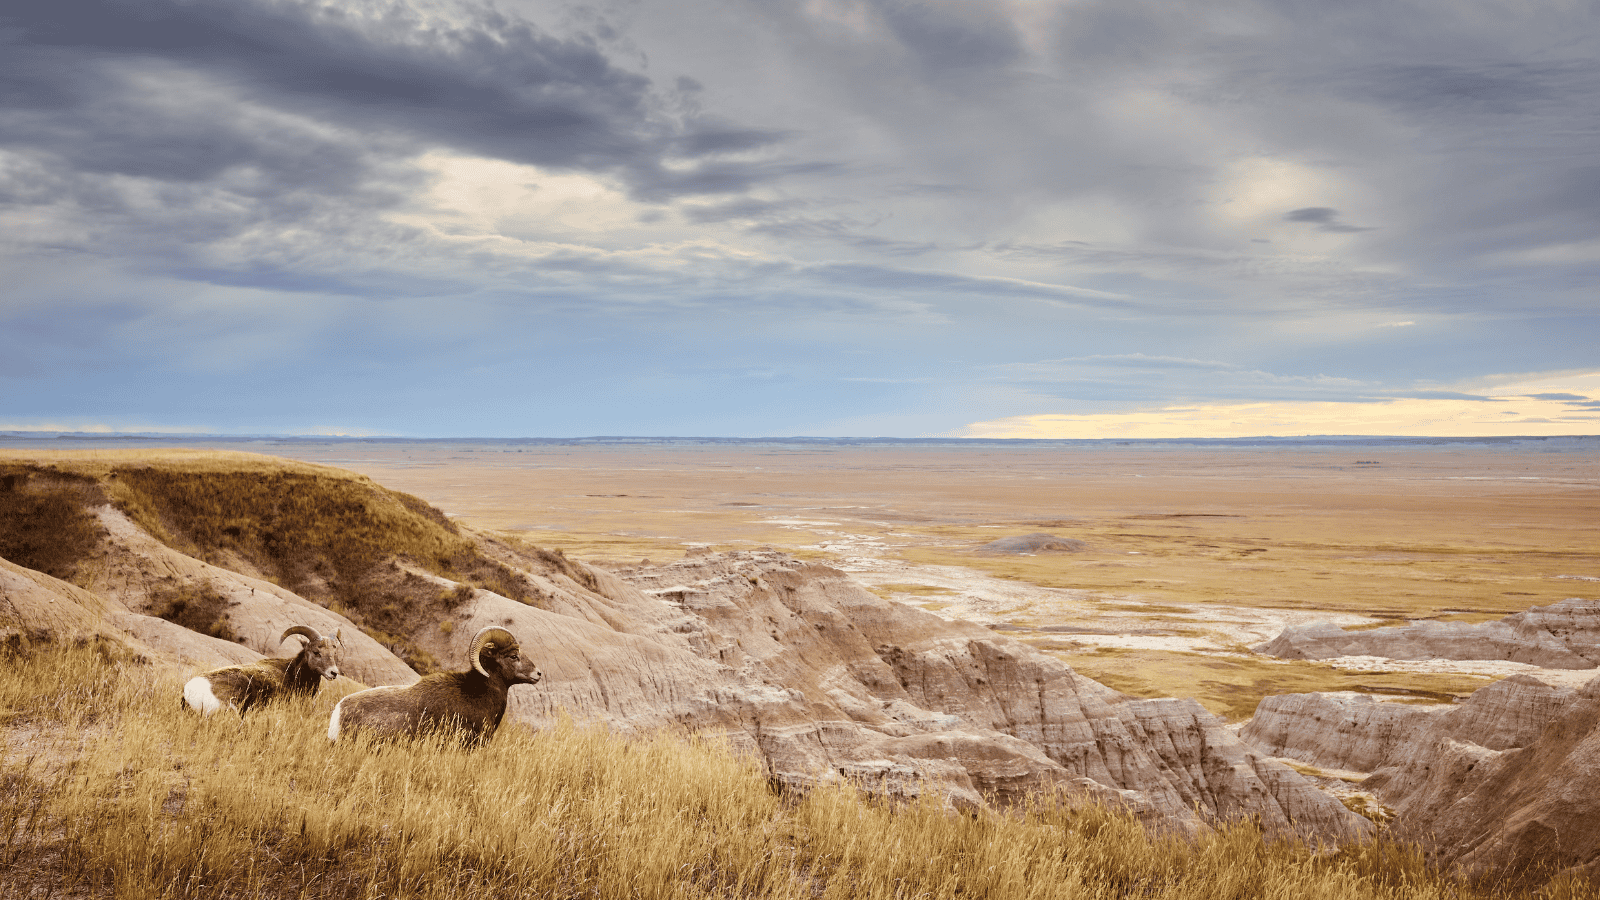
<point>495,652</point>
<point>321,653</point>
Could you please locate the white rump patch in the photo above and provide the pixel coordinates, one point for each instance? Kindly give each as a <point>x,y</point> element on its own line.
<point>197,694</point>
<point>333,721</point>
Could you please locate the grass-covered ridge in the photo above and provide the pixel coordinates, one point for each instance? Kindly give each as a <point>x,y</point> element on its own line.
<point>307,529</point>
<point>329,535</point>
<point>112,790</point>
<point>45,523</point>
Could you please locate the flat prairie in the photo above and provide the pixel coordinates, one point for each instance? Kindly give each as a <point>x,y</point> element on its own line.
<point>1190,552</point>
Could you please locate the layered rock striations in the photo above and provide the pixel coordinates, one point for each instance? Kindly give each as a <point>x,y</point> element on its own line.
<point>1526,812</point>
<point>1344,730</point>
<point>1357,732</point>
<point>824,676</point>
<point>1506,783</point>
<point>1563,635</point>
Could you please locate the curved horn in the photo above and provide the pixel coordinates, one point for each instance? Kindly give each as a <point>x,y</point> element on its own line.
<point>491,633</point>
<point>305,631</point>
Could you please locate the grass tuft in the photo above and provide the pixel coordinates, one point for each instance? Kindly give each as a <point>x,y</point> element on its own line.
<point>1231,686</point>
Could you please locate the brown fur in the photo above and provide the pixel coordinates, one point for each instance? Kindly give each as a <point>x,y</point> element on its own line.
<point>243,687</point>
<point>471,702</point>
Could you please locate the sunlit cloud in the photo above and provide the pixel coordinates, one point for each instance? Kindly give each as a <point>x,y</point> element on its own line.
<point>1540,410</point>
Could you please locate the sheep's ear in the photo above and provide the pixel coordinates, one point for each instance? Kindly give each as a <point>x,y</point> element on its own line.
<point>337,637</point>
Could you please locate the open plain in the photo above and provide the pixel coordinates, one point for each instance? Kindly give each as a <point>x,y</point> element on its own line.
<point>1190,552</point>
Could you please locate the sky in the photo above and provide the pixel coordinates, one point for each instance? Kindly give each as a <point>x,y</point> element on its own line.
<point>743,218</point>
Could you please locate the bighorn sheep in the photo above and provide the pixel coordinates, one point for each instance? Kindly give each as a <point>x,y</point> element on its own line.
<point>241,687</point>
<point>473,701</point>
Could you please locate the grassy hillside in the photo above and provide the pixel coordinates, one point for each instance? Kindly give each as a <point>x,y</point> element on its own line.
<point>329,535</point>
<point>110,789</point>
<point>45,523</point>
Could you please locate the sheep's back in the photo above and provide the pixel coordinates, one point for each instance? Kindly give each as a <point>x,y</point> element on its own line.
<point>437,701</point>
<point>245,686</point>
<point>379,709</point>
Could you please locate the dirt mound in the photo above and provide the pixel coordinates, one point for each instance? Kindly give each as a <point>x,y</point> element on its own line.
<point>209,540</point>
<point>189,596</point>
<point>1039,542</point>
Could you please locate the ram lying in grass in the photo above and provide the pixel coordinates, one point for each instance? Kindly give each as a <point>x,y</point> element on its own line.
<point>242,687</point>
<point>470,703</point>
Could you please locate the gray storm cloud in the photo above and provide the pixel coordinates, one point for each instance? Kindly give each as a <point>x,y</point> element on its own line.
<point>928,198</point>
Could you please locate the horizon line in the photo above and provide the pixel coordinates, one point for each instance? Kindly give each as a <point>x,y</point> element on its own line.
<point>173,435</point>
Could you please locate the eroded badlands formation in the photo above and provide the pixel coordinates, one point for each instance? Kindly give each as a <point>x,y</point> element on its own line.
<point>799,663</point>
<point>793,660</point>
<point>1503,784</point>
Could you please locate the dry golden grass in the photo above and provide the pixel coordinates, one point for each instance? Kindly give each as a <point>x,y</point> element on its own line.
<point>909,593</point>
<point>45,518</point>
<point>112,790</point>
<point>918,590</point>
<point>99,462</point>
